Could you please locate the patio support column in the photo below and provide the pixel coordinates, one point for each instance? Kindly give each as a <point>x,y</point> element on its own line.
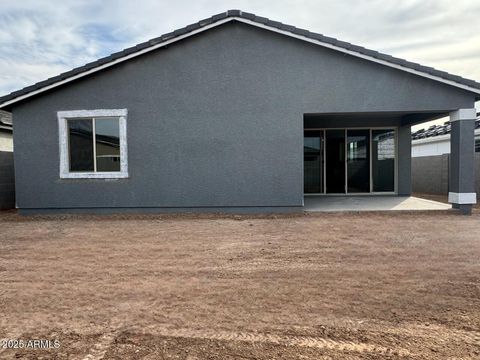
<point>405,160</point>
<point>462,148</point>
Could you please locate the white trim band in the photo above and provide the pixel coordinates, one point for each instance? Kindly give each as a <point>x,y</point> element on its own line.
<point>462,198</point>
<point>92,113</point>
<point>463,114</point>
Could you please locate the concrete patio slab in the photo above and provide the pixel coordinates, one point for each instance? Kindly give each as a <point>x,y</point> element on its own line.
<point>371,203</point>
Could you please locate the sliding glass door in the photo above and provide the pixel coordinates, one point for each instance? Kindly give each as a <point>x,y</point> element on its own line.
<point>349,161</point>
<point>383,160</point>
<point>358,161</point>
<point>313,162</point>
<point>335,161</point>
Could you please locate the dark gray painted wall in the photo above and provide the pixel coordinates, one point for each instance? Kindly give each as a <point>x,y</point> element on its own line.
<point>430,174</point>
<point>462,144</point>
<point>215,120</point>
<point>404,149</point>
<point>7,181</point>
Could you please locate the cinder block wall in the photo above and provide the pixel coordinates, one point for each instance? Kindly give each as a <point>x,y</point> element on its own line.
<point>7,181</point>
<point>430,174</point>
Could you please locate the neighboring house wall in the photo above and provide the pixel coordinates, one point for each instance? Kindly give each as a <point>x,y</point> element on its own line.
<point>435,145</point>
<point>431,146</point>
<point>430,174</point>
<point>7,182</point>
<point>215,120</point>
<point>6,136</point>
<point>6,141</point>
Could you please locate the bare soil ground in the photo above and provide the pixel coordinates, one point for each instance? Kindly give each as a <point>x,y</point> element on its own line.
<point>324,286</point>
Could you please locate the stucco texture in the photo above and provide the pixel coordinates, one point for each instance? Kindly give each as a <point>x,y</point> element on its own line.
<point>215,120</point>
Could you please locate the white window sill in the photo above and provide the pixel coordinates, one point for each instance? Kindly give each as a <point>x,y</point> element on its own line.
<point>97,175</point>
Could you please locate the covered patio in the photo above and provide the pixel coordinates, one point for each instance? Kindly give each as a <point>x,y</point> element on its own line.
<point>348,155</point>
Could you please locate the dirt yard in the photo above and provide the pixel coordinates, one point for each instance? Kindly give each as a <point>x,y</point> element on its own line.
<point>341,286</point>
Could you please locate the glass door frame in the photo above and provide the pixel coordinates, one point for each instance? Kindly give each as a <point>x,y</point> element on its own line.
<point>395,176</point>
<point>322,132</point>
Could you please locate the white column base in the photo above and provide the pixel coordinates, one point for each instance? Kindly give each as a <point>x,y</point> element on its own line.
<point>462,198</point>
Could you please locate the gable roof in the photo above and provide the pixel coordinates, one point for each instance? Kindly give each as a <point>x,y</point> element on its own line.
<point>248,18</point>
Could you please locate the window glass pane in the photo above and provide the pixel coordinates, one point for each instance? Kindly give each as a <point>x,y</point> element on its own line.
<point>477,145</point>
<point>358,161</point>
<point>383,160</point>
<point>313,164</point>
<point>335,161</point>
<point>107,140</point>
<point>80,137</point>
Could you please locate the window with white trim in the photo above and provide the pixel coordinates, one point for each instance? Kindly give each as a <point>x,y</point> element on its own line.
<point>93,143</point>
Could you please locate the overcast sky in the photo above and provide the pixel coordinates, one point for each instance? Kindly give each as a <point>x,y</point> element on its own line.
<point>42,38</point>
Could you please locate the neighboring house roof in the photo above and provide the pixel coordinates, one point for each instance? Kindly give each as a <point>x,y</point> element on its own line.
<point>248,18</point>
<point>6,127</point>
<point>438,130</point>
<point>5,117</point>
<point>5,121</point>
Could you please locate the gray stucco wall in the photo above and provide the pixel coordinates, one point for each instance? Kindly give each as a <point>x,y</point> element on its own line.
<point>462,144</point>
<point>430,174</point>
<point>7,181</point>
<point>214,121</point>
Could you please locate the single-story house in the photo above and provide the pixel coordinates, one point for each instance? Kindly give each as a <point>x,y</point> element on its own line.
<point>435,140</point>
<point>233,113</point>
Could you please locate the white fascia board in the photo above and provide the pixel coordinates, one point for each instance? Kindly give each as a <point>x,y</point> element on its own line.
<point>253,23</point>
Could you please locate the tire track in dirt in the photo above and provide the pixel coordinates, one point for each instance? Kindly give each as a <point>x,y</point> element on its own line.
<point>98,351</point>
<point>285,340</point>
<point>432,331</point>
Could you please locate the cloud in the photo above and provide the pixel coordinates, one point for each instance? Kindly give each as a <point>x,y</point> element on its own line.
<point>41,38</point>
